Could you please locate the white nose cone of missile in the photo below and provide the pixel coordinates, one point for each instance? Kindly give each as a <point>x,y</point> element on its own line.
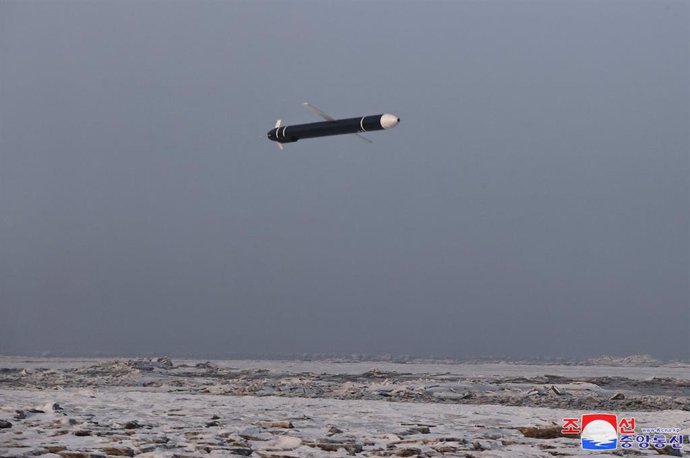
<point>388,120</point>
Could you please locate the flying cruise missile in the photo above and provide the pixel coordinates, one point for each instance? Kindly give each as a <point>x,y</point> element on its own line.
<point>331,126</point>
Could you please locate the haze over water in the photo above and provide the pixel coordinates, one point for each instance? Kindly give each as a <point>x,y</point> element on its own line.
<point>531,203</point>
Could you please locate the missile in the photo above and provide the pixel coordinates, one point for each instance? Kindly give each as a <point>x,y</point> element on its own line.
<point>331,126</point>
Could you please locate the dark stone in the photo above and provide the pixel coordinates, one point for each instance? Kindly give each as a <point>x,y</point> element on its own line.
<point>241,451</point>
<point>4,424</point>
<point>82,433</point>
<point>328,445</point>
<point>547,432</point>
<point>118,451</point>
<point>74,454</point>
<point>333,430</point>
<point>419,430</point>
<point>55,407</point>
<point>132,425</point>
<point>446,449</point>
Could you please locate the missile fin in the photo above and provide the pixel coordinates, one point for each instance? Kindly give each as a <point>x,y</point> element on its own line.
<point>363,137</point>
<point>318,112</point>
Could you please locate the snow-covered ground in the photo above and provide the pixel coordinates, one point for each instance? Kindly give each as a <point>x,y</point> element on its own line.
<point>292,408</point>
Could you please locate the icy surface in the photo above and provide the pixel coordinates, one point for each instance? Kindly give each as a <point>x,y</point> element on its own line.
<point>154,407</point>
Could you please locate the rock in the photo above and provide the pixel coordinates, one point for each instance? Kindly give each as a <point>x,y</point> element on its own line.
<point>213,423</point>
<point>277,454</point>
<point>82,433</point>
<point>4,424</point>
<point>327,446</point>
<point>333,446</point>
<point>275,424</point>
<point>215,417</point>
<point>555,389</point>
<point>416,430</point>
<point>133,424</point>
<point>410,451</point>
<point>332,430</point>
<point>459,440</point>
<point>52,407</point>
<point>535,391</point>
<point>450,396</point>
<point>617,397</point>
<point>254,433</point>
<point>669,451</point>
<point>478,446</point>
<point>283,443</point>
<point>374,373</point>
<point>390,437</point>
<point>193,435</point>
<point>545,432</point>
<point>19,415</point>
<point>483,444</point>
<point>265,391</point>
<point>118,451</point>
<point>74,454</point>
<point>55,448</point>
<point>241,451</point>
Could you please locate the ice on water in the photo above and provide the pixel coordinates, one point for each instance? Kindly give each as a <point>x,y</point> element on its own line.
<point>157,407</point>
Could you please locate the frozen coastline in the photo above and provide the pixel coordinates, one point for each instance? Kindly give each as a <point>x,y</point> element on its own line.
<point>95,407</point>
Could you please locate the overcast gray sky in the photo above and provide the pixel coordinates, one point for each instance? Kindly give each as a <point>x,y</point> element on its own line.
<point>532,202</point>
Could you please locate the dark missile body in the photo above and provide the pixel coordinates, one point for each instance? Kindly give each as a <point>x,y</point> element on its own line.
<point>289,134</point>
